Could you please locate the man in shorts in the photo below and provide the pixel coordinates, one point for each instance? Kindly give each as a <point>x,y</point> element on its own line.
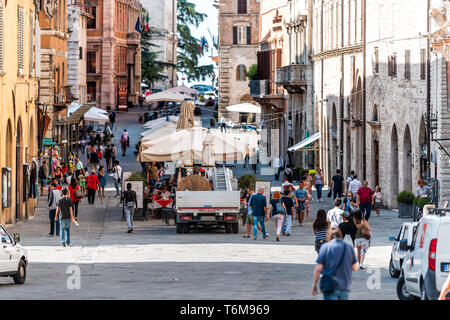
<point>301,195</point>
<point>250,193</point>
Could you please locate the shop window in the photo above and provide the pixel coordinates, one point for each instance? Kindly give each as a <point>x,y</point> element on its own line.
<point>6,187</point>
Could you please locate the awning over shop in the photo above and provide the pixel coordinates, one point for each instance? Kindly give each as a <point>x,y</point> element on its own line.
<point>244,107</point>
<point>78,113</point>
<point>305,143</point>
<point>48,142</point>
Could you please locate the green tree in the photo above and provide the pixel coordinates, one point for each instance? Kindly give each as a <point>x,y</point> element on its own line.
<point>189,50</point>
<point>152,69</point>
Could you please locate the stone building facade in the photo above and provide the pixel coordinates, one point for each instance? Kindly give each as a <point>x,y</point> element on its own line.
<point>76,51</point>
<point>19,25</point>
<point>238,47</point>
<point>113,60</point>
<point>163,17</point>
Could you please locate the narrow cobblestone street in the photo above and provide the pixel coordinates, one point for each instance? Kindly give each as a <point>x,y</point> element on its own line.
<point>154,262</point>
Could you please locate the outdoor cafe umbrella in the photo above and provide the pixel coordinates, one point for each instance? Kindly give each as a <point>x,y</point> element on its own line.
<point>186,119</point>
<point>158,123</point>
<point>183,90</point>
<point>244,107</point>
<point>165,96</point>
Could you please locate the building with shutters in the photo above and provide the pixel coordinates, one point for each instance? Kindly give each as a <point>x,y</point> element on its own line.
<point>113,55</point>
<point>238,47</point>
<point>163,18</point>
<point>18,116</point>
<point>266,89</point>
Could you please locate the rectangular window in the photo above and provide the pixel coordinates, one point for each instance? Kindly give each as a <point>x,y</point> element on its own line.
<point>31,43</point>
<point>392,66</point>
<point>242,6</point>
<point>376,61</point>
<point>241,35</point>
<point>423,63</point>
<point>21,40</point>
<point>92,23</point>
<point>80,53</point>
<point>91,63</point>
<point>407,64</point>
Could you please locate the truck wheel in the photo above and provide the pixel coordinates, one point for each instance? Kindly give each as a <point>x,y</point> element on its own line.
<point>179,228</point>
<point>392,271</point>
<point>402,294</point>
<point>21,275</point>
<point>235,227</point>
<point>228,228</point>
<point>186,228</point>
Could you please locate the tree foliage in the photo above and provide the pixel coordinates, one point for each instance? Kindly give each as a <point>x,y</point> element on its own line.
<point>189,51</point>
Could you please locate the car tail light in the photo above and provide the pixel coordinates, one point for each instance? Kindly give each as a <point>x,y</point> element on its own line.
<point>432,255</point>
<point>186,218</point>
<point>230,218</point>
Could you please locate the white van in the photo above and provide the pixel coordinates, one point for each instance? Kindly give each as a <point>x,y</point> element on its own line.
<point>427,261</point>
<point>397,253</point>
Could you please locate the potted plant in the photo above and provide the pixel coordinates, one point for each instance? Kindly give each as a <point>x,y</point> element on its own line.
<point>246,181</point>
<point>405,201</point>
<point>252,73</point>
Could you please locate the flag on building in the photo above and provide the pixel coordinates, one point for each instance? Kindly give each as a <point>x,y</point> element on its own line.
<point>137,27</point>
<point>147,20</point>
<point>203,44</point>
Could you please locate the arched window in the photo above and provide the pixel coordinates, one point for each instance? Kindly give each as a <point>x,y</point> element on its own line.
<point>241,73</point>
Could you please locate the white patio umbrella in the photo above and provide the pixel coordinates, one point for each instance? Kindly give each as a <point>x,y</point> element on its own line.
<point>244,107</point>
<point>183,90</point>
<point>166,96</point>
<point>158,123</point>
<point>95,114</point>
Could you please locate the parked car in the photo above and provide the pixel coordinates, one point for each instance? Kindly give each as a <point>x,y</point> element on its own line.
<point>427,262</point>
<point>13,257</point>
<point>397,254</point>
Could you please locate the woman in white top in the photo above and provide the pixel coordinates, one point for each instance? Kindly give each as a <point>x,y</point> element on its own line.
<point>378,200</point>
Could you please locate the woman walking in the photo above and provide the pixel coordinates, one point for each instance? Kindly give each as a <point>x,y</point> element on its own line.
<point>320,227</point>
<point>278,210</point>
<point>102,180</point>
<point>58,175</point>
<point>92,186</point>
<point>309,191</point>
<point>130,199</point>
<point>378,200</point>
<point>319,185</point>
<point>82,181</point>
<point>75,195</point>
<point>362,238</point>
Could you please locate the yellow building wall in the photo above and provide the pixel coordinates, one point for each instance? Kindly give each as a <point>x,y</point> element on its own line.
<point>17,107</point>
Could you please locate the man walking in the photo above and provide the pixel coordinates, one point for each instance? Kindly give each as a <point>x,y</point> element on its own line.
<point>301,195</point>
<point>337,184</point>
<point>43,176</point>
<point>54,196</point>
<point>349,179</point>
<point>258,204</point>
<point>334,216</point>
<point>78,168</point>
<point>108,157</point>
<point>223,124</point>
<point>354,185</point>
<point>92,184</point>
<point>278,166</point>
<point>94,159</point>
<point>117,176</point>
<point>250,194</point>
<point>365,199</point>
<point>114,152</point>
<point>130,202</point>
<point>64,213</point>
<point>336,260</point>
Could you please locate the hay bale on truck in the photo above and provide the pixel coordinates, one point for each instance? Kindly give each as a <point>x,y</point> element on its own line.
<point>194,183</point>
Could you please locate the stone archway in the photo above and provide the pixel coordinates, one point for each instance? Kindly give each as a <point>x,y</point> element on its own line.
<point>358,115</point>
<point>394,167</point>
<point>19,171</point>
<point>407,160</point>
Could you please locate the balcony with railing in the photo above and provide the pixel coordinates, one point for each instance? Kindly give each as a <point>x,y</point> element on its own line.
<point>259,88</point>
<point>293,77</point>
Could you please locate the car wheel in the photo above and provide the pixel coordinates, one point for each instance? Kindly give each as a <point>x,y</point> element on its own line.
<point>402,294</point>
<point>179,228</point>
<point>20,276</point>
<point>228,228</point>
<point>392,271</point>
<point>423,292</point>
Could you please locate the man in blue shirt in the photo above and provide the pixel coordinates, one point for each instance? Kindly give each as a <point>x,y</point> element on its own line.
<point>251,194</point>
<point>301,195</point>
<point>258,205</point>
<point>337,256</point>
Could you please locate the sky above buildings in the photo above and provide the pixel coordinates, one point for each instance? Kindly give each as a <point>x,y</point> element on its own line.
<point>211,24</point>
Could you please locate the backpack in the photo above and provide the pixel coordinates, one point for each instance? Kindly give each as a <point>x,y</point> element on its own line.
<point>279,208</point>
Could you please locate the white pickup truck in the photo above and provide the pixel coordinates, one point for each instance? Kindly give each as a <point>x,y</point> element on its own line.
<point>218,208</point>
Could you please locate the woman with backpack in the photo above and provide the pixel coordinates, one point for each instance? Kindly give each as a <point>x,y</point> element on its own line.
<point>278,211</point>
<point>130,202</point>
<point>320,227</point>
<point>362,238</point>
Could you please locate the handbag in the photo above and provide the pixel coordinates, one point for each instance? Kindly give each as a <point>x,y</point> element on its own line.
<point>279,208</point>
<point>365,232</point>
<point>328,278</point>
<point>78,194</point>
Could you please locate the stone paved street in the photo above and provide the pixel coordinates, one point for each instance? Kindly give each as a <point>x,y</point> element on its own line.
<point>156,263</point>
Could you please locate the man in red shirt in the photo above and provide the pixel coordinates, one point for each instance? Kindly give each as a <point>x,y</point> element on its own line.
<point>365,199</point>
<point>92,184</point>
